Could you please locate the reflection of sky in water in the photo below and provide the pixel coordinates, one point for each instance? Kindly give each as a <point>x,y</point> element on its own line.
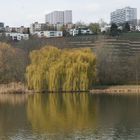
<point>69,116</point>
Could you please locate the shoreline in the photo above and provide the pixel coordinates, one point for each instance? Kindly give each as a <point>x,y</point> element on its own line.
<point>120,89</point>
<point>13,88</point>
<point>20,88</point>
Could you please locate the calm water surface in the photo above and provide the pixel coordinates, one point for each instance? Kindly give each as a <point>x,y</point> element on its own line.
<point>69,116</point>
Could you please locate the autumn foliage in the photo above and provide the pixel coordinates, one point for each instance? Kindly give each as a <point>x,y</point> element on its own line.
<point>12,64</point>
<point>53,69</point>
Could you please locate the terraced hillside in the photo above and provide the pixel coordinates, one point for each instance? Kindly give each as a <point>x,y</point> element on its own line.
<point>126,46</point>
<point>129,47</point>
<point>117,59</point>
<point>64,42</point>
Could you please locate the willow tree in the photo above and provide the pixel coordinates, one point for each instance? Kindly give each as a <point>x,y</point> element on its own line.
<point>52,69</point>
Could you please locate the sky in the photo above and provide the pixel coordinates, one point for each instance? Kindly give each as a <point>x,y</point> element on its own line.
<point>25,12</point>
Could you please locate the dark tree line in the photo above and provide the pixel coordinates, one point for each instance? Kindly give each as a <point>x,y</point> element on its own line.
<point>116,31</point>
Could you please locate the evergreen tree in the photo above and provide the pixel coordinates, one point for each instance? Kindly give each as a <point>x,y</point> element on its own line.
<point>114,30</point>
<point>126,27</point>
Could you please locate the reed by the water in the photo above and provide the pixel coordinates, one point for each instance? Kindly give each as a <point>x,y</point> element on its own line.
<point>122,89</point>
<point>12,88</point>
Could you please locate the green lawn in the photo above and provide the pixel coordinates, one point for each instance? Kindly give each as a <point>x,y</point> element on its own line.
<point>134,36</point>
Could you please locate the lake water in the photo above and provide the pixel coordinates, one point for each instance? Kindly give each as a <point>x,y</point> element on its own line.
<point>69,116</point>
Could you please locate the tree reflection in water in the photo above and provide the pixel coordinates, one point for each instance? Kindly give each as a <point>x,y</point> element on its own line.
<point>72,116</point>
<point>61,112</point>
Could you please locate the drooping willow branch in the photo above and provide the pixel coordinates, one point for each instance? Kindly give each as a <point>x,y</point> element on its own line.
<point>52,69</point>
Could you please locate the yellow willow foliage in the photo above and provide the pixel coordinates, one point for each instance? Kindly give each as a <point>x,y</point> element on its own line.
<point>52,69</point>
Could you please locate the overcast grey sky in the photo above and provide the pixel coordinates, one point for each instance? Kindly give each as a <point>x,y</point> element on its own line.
<point>24,12</point>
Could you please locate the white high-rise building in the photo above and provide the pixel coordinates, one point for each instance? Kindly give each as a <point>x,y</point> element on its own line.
<point>67,17</point>
<point>1,26</point>
<point>59,17</point>
<point>123,15</point>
